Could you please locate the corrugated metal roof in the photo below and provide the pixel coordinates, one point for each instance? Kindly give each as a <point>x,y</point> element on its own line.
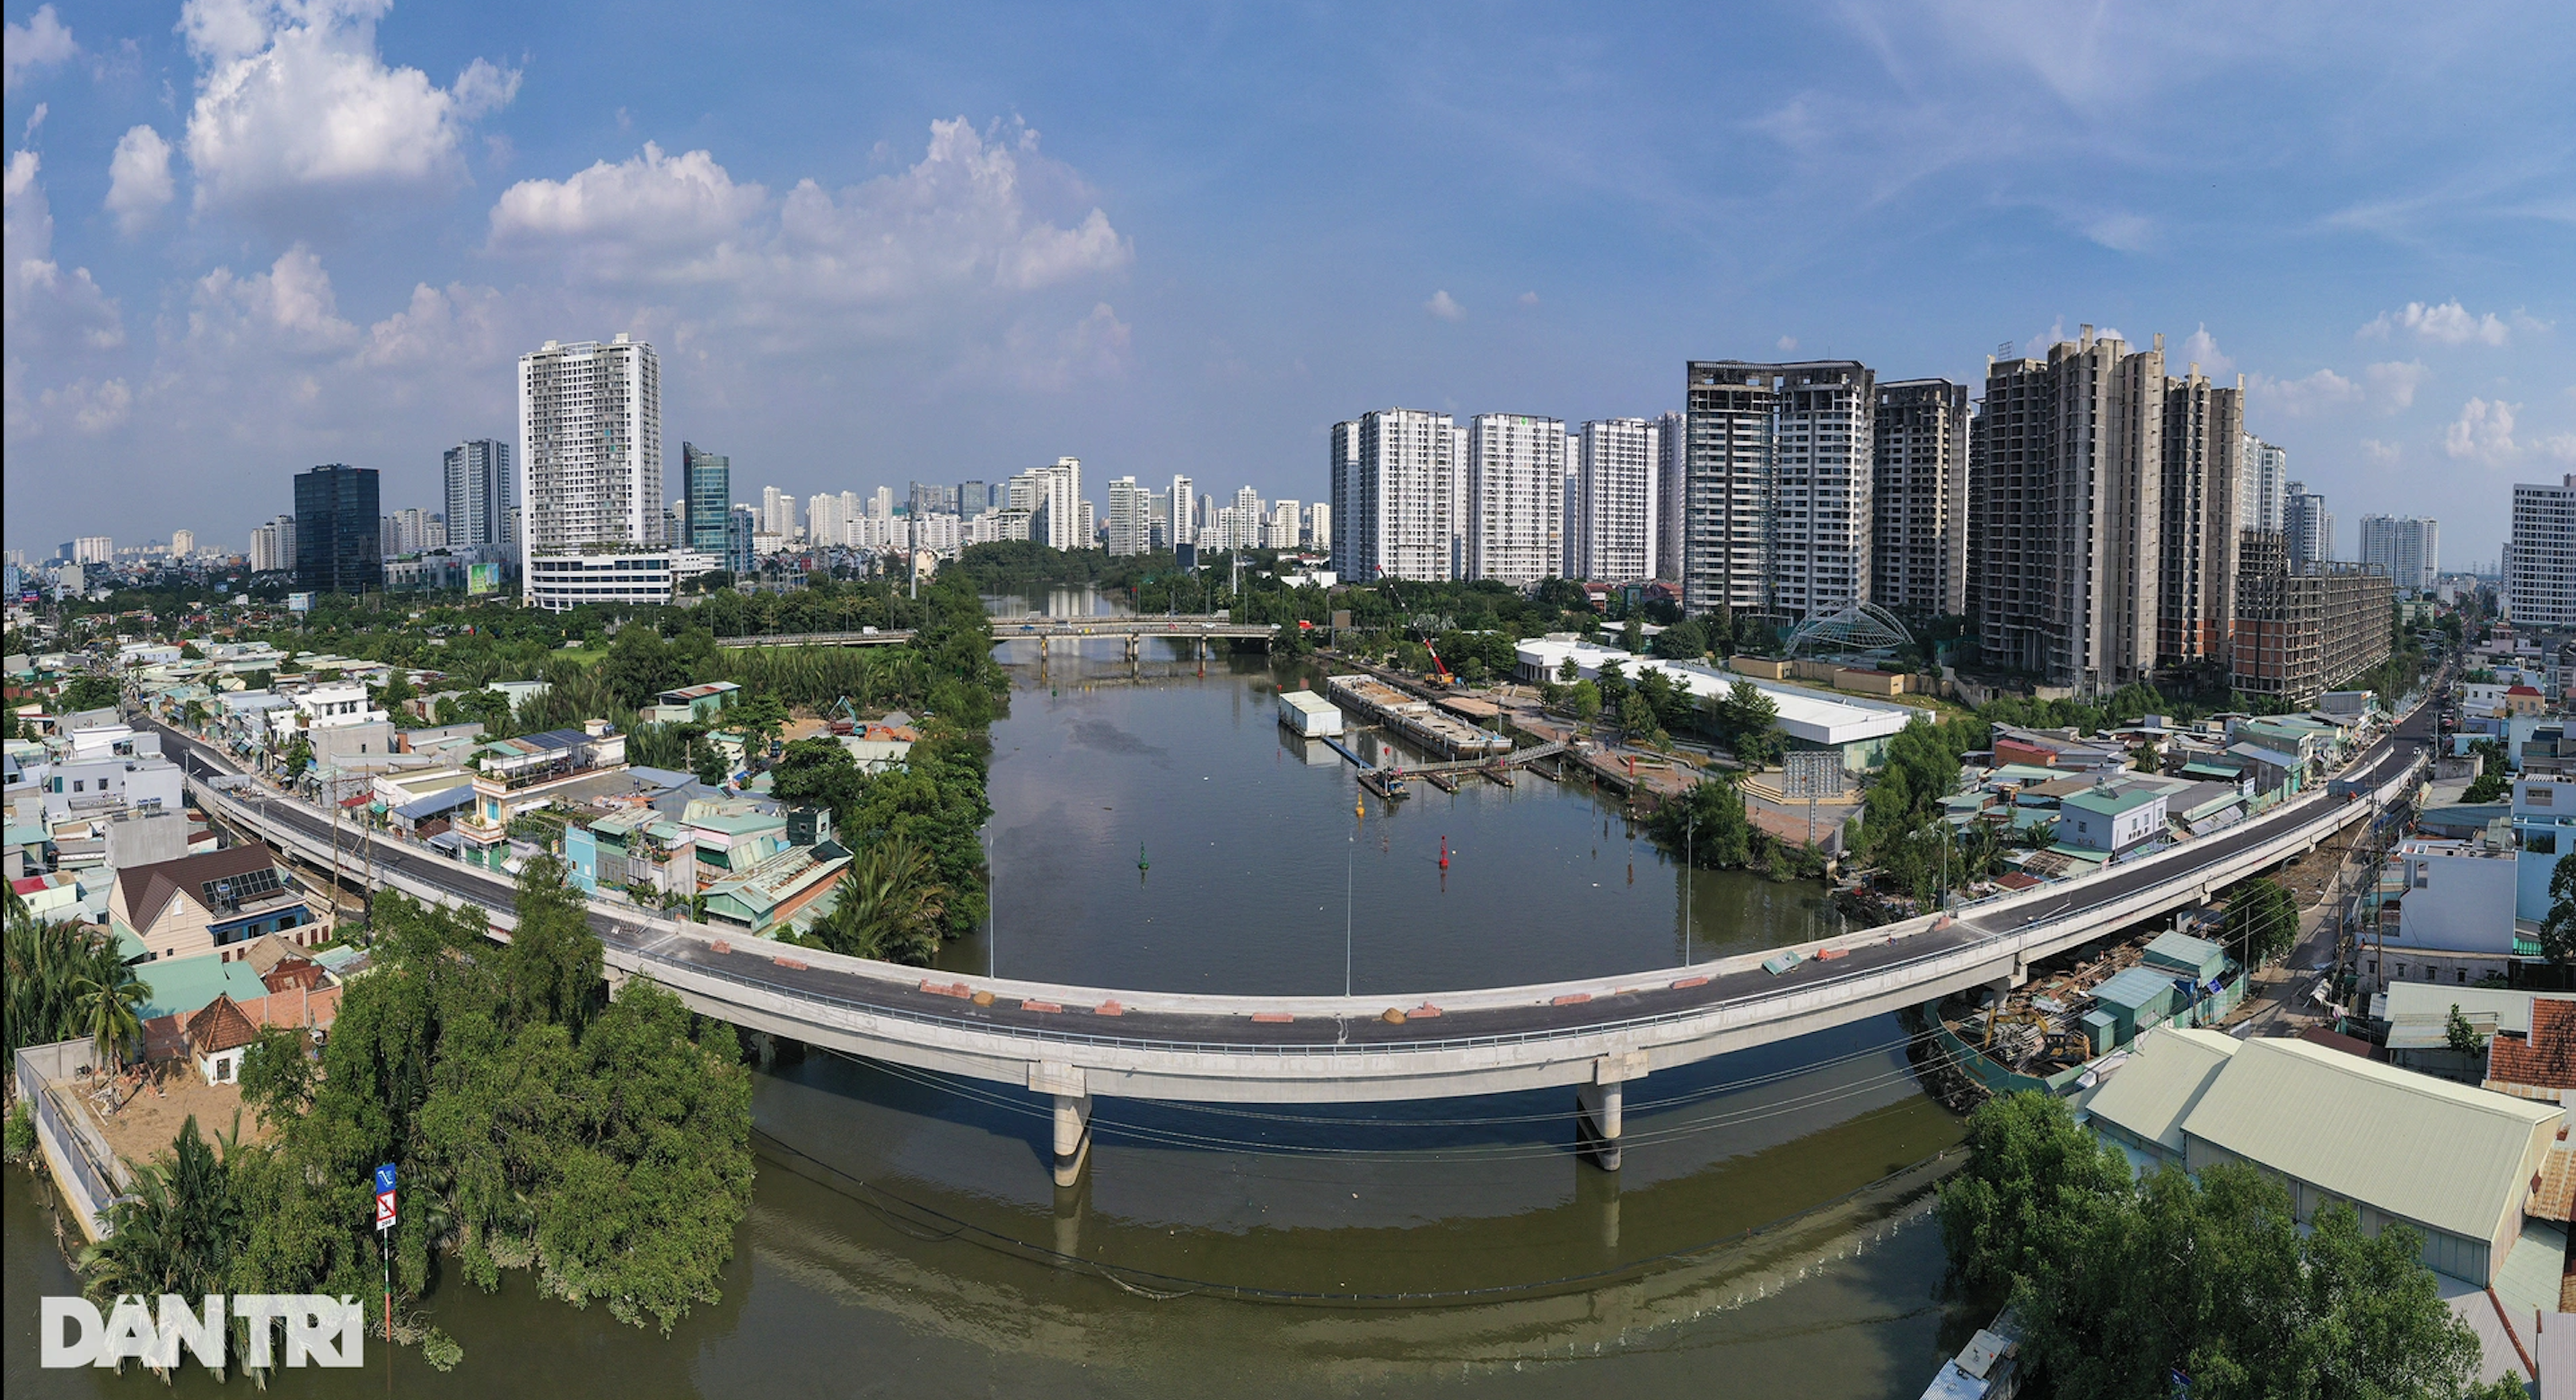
<point>2432,1151</point>
<point>2414,1000</point>
<point>2167,1073</point>
<point>2134,987</point>
<point>2184,953</point>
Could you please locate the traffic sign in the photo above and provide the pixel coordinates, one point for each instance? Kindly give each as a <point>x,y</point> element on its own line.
<point>385,1197</point>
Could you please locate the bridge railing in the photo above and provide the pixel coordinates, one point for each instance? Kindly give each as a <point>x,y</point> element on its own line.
<point>1784,1000</point>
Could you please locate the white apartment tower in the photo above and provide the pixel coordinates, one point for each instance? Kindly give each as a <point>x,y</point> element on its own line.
<point>590,474</point>
<point>1616,526</point>
<point>2408,547</point>
<point>1515,497</point>
<point>1397,495</point>
<point>1919,493</point>
<point>1131,517</point>
<point>1181,504</point>
<point>2540,560</point>
<point>2308,524</point>
<point>1778,491</point>
<point>2263,487</point>
<point>1319,526</point>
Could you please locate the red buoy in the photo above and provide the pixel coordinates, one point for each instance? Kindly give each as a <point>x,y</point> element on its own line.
<point>1444,852</point>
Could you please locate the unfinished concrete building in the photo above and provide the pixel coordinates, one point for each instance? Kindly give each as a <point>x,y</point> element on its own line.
<point>2067,481</point>
<point>1919,493</point>
<point>2304,628</point>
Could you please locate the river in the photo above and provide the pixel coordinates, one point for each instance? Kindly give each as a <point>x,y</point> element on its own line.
<point>1762,1237</point>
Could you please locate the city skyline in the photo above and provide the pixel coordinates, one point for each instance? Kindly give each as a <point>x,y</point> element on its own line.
<point>1176,300</point>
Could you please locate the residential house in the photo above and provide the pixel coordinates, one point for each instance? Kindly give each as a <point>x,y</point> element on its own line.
<point>2112,819</point>
<point>217,1037</point>
<point>207,903</point>
<point>2449,917</point>
<point>775,893</point>
<point>693,704</point>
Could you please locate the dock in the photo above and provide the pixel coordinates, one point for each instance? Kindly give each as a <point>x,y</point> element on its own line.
<point>1419,722</point>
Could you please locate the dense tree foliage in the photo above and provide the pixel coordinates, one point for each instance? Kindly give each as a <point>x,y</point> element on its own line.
<point>536,1123</point>
<point>2558,928</point>
<point>55,974</point>
<point>2121,1284</point>
<point>2261,921</point>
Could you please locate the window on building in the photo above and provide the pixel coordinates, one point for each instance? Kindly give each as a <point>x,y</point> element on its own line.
<point>2539,795</point>
<point>2400,970</point>
<point>2464,974</point>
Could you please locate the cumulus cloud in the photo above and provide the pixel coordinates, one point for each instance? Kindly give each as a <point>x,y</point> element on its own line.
<point>2121,232</point>
<point>294,98</point>
<point>2387,386</point>
<point>971,218</point>
<point>48,309</point>
<point>1095,347</point>
<point>291,307</point>
<point>2383,454</point>
<point>1788,344</point>
<point>42,42</point>
<point>1529,298</point>
<point>90,405</point>
<point>2447,324</point>
<point>2201,348</point>
<point>2484,432</point>
<point>1445,306</point>
<point>138,179</point>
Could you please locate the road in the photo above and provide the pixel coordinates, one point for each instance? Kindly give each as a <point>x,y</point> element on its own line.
<point>1083,1014</point>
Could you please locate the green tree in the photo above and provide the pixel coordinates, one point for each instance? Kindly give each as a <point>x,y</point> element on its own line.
<point>277,1073</point>
<point>2463,1036</point>
<point>299,756</point>
<point>2261,921</point>
<point>174,1232</point>
<point>707,761</point>
<point>890,904</point>
<point>110,1011</point>
<point>2558,929</point>
<point>1683,641</point>
<point>818,772</point>
<point>2029,1168</point>
<point>1707,826</point>
<point>88,692</point>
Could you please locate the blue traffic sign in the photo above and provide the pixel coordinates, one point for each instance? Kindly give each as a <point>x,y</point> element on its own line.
<point>385,1177</point>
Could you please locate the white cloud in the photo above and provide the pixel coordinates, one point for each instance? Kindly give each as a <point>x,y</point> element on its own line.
<point>2393,382</point>
<point>48,310</point>
<point>1788,344</point>
<point>2201,348</point>
<point>2484,430</point>
<point>461,326</point>
<point>1445,306</point>
<point>42,42</point>
<point>2387,386</point>
<point>1096,347</point>
<point>2121,232</point>
<point>969,220</point>
<point>291,308</point>
<point>2384,454</point>
<point>138,179</point>
<point>2447,324</point>
<point>1529,298</point>
<point>92,406</point>
<point>294,98</point>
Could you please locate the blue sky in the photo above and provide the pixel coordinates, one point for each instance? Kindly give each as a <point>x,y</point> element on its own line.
<point>943,242</point>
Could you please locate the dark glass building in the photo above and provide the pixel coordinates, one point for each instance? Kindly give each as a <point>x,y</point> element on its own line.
<point>709,496</point>
<point>337,531</point>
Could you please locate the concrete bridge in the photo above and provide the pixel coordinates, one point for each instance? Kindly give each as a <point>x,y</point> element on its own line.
<point>1200,630</point>
<point>1598,1035</point>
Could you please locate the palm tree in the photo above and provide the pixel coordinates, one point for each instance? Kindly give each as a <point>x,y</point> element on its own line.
<point>174,1232</point>
<point>890,905</point>
<point>108,1007</point>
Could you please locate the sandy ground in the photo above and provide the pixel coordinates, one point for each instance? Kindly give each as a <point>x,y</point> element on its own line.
<point>143,1126</point>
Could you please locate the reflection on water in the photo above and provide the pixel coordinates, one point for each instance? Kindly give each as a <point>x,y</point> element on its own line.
<point>1766,1235</point>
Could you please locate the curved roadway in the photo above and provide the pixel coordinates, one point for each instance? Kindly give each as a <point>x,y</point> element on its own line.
<point>1148,1044</point>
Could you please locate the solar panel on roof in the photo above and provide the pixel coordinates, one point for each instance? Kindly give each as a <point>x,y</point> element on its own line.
<point>230,890</point>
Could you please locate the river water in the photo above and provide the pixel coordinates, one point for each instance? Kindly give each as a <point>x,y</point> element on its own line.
<point>1763,1237</point>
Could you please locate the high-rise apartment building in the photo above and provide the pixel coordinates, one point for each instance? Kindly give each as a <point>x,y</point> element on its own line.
<point>338,531</point>
<point>1919,495</point>
<point>2408,547</point>
<point>590,475</point>
<point>1180,510</point>
<point>2068,487</point>
<point>2540,559</point>
<point>1515,497</point>
<point>1612,515</point>
<point>707,485</point>
<point>2264,488</point>
<point>1778,492</point>
<point>1672,491</point>
<point>2204,438</point>
<point>94,549</point>
<point>481,487</point>
<point>1131,517</point>
<point>272,546</point>
<point>1319,526</point>
<point>182,543</point>
<point>1398,495</point>
<point>973,498</point>
<point>2307,527</point>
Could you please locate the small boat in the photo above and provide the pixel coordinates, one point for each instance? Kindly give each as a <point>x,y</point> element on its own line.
<point>1385,782</point>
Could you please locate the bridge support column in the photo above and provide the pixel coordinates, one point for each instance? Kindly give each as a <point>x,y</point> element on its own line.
<point>1072,1117</point>
<point>1601,1105</point>
<point>1135,648</point>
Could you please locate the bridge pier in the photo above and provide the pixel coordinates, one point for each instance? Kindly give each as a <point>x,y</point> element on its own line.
<point>1072,1140</point>
<point>1600,1104</point>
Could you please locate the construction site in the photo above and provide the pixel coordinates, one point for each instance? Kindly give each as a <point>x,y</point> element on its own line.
<point>2084,1005</point>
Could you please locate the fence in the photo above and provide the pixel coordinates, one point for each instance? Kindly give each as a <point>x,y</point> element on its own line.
<point>68,1143</point>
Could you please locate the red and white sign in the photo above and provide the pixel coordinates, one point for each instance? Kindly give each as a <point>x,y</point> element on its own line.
<point>384,1210</point>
